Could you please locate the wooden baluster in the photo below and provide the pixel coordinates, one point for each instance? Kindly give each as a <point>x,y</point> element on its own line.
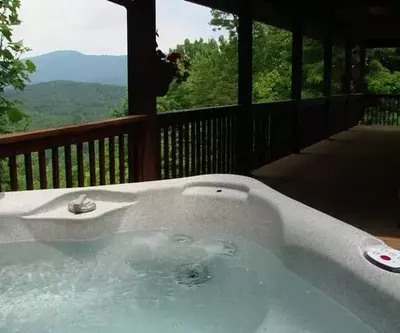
<point>55,168</point>
<point>133,172</point>
<point>220,145</point>
<point>111,159</point>
<point>12,165</point>
<point>79,156</point>
<point>42,170</point>
<point>193,148</point>
<point>209,151</point>
<point>166,152</point>
<point>234,143</point>
<point>187,154</point>
<point>140,154</point>
<point>92,164</point>
<point>173,153</point>
<point>180,150</point>
<point>388,111</point>
<point>102,162</point>
<point>392,110</point>
<point>198,148</point>
<point>214,146</point>
<point>28,171</point>
<point>224,146</point>
<point>121,151</point>
<point>229,145</point>
<point>68,166</point>
<point>204,156</point>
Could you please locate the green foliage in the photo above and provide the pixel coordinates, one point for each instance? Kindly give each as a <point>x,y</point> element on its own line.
<point>62,103</point>
<point>381,80</point>
<point>13,71</point>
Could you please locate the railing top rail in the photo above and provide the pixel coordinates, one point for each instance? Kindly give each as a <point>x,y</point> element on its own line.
<point>33,141</point>
<point>192,115</point>
<point>382,95</point>
<point>205,109</point>
<point>72,129</point>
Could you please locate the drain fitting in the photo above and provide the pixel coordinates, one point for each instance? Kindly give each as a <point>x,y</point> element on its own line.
<point>192,274</point>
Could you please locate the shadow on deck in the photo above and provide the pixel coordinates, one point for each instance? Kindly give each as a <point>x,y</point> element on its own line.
<point>353,176</point>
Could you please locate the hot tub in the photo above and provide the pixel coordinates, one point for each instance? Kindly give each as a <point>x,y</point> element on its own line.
<point>215,253</point>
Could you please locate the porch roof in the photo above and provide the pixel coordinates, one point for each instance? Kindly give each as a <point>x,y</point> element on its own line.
<point>373,23</point>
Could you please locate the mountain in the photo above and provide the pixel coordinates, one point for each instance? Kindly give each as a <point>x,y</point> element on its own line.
<point>60,103</point>
<point>75,66</point>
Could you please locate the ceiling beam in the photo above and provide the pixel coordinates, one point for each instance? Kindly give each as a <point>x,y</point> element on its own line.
<point>382,43</point>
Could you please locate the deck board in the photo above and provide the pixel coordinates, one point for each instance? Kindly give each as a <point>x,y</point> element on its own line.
<point>353,176</point>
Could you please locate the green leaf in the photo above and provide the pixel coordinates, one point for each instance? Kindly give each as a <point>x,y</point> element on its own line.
<point>30,66</point>
<point>6,32</point>
<point>7,54</point>
<point>15,114</point>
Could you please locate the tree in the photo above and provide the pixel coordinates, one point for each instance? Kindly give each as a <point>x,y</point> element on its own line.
<point>13,71</point>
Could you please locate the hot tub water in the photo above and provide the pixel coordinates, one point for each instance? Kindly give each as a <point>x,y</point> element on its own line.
<point>159,282</point>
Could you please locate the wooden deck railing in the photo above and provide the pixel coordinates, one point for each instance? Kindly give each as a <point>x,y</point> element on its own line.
<point>32,160</point>
<point>192,142</point>
<point>200,141</point>
<point>285,127</point>
<point>382,109</point>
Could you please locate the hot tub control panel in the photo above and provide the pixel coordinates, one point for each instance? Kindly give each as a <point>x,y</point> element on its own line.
<point>384,257</point>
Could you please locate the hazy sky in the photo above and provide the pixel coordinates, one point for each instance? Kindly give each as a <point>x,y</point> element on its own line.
<point>99,26</point>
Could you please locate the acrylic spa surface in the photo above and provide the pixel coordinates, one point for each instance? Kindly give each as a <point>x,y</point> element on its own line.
<point>211,254</point>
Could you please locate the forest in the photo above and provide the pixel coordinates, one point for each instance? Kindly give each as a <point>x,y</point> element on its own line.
<point>213,80</point>
<point>60,103</point>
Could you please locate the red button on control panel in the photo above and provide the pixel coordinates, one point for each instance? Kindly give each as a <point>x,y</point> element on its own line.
<point>384,257</point>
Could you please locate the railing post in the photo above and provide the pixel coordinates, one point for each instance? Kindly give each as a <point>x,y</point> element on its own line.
<point>297,80</point>
<point>142,99</point>
<point>361,82</point>
<point>328,80</point>
<point>348,59</point>
<point>244,140</point>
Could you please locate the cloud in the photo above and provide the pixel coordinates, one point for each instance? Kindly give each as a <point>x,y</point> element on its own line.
<point>99,27</point>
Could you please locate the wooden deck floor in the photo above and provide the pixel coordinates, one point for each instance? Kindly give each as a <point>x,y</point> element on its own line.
<point>353,176</point>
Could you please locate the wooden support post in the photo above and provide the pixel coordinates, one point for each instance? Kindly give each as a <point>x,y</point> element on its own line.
<point>297,82</point>
<point>362,68</point>
<point>328,65</point>
<point>361,86</point>
<point>297,62</point>
<point>328,43</point>
<point>348,56</point>
<point>244,141</point>
<point>348,62</point>
<point>141,15</point>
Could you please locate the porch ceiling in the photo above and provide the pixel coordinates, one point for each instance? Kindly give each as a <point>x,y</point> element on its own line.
<point>372,22</point>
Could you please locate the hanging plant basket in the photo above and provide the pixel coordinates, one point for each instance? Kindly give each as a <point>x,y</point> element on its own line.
<point>165,74</point>
<point>163,71</point>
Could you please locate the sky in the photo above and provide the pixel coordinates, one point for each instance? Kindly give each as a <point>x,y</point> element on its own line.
<point>99,26</point>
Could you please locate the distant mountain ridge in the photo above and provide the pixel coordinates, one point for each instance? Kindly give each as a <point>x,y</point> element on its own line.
<point>79,67</point>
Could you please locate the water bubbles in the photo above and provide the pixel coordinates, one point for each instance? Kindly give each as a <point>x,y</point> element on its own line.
<point>228,249</point>
<point>181,239</point>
